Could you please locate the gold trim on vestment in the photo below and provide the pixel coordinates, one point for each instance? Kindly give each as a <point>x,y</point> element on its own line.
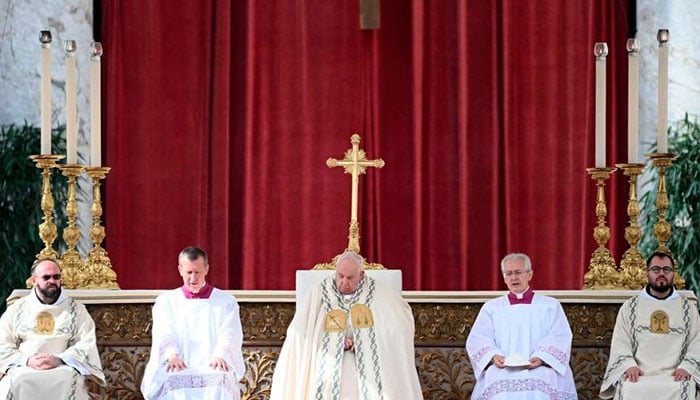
<point>45,323</point>
<point>361,316</point>
<point>336,321</point>
<point>658,323</point>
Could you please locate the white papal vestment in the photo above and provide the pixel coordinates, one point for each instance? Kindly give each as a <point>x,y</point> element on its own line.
<point>199,330</point>
<point>313,364</point>
<point>64,329</point>
<point>539,329</point>
<point>657,336</point>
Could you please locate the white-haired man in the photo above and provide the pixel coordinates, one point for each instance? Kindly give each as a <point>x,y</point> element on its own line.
<point>351,338</point>
<point>520,343</point>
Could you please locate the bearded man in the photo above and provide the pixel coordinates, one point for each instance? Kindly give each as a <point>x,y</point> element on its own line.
<point>655,348</point>
<point>47,342</point>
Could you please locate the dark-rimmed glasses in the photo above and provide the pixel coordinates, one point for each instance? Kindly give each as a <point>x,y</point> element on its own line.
<point>656,269</point>
<point>56,277</point>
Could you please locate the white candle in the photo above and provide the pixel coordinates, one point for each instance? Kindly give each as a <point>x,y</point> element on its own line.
<point>600,51</point>
<point>95,104</point>
<point>662,121</point>
<point>45,101</point>
<point>633,101</point>
<point>71,104</point>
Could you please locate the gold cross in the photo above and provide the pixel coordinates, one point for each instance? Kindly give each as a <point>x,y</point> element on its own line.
<point>355,163</point>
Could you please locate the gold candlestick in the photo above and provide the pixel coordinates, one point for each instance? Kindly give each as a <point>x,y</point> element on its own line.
<point>662,229</point>
<point>47,229</point>
<point>71,262</point>
<point>633,265</point>
<point>98,266</point>
<point>602,272</point>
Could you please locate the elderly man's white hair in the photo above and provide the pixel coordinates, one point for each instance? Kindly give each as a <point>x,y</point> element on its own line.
<point>516,256</point>
<point>349,254</point>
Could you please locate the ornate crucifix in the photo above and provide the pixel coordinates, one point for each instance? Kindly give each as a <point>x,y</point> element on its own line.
<point>355,163</point>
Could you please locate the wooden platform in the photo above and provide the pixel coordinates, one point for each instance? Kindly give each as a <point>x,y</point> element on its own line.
<point>443,320</point>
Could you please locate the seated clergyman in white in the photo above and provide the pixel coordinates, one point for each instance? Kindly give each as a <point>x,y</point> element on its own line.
<point>351,338</point>
<point>197,339</point>
<point>520,343</point>
<point>47,342</point>
<point>655,347</point>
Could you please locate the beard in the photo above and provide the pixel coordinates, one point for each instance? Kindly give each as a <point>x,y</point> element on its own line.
<point>662,287</point>
<point>51,292</point>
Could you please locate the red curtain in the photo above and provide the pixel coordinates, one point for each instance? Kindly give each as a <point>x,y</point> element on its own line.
<point>219,117</point>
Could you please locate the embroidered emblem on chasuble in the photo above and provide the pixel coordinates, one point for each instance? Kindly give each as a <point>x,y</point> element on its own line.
<point>361,316</point>
<point>659,322</point>
<point>44,324</point>
<point>336,321</point>
<point>331,351</point>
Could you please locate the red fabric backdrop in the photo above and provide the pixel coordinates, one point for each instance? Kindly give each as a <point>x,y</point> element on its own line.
<point>219,117</point>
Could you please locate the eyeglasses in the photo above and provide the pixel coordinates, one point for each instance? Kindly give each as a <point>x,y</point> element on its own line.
<point>56,277</point>
<point>517,272</point>
<point>656,269</point>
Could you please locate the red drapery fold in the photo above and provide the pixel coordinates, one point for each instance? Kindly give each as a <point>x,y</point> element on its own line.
<point>219,118</point>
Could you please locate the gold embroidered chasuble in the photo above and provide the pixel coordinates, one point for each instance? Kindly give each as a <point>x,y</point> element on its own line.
<point>64,329</point>
<point>314,365</point>
<point>657,336</point>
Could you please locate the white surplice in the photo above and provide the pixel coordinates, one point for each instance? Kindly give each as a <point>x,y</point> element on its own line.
<point>657,345</point>
<point>307,367</point>
<point>199,330</point>
<point>64,329</point>
<point>539,330</point>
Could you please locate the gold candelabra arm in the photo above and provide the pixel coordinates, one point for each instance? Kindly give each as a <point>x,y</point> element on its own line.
<point>71,262</point>
<point>632,266</point>
<point>47,229</point>
<point>98,265</point>
<point>602,272</point>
